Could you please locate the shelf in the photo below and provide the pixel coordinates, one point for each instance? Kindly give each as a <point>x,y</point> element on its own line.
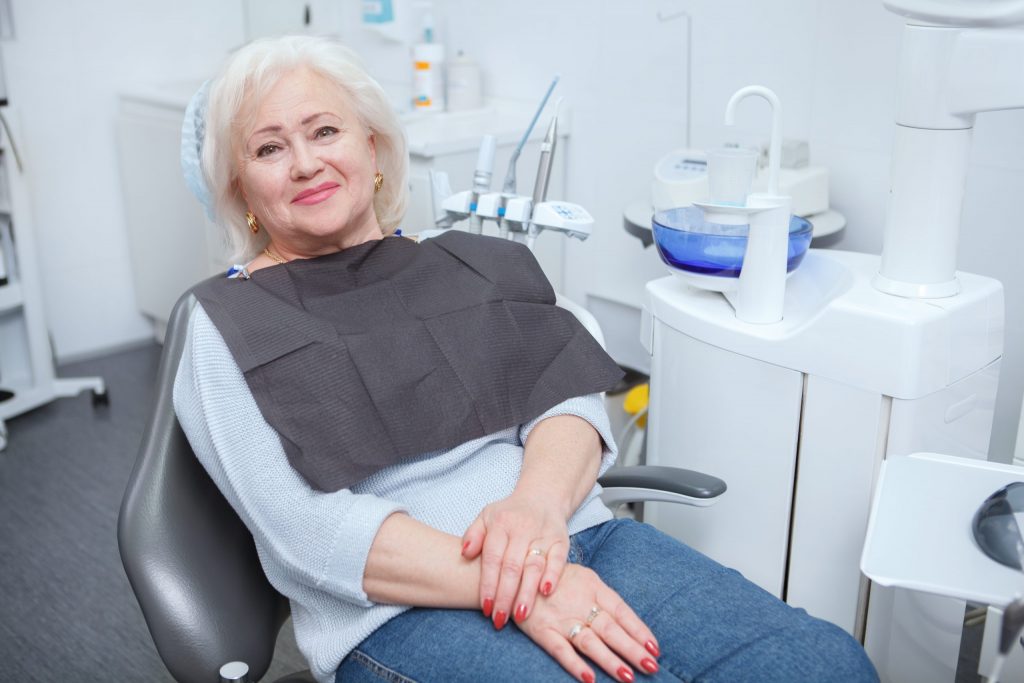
<point>10,297</point>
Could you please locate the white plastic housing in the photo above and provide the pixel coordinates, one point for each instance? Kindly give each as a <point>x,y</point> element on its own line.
<point>517,209</point>
<point>680,178</point>
<point>488,205</point>
<point>922,224</point>
<point>960,12</point>
<point>566,217</point>
<point>458,204</point>
<point>758,295</point>
<point>484,164</point>
<point>947,75</point>
<point>761,292</point>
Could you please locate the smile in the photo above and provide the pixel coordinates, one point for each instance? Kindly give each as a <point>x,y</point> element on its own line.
<point>316,194</point>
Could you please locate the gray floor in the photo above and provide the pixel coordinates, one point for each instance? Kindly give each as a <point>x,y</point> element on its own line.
<point>67,612</point>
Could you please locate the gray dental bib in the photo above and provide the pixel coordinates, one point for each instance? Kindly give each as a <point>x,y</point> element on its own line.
<point>393,349</point>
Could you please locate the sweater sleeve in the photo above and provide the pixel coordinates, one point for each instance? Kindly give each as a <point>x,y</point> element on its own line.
<point>590,408</point>
<point>316,538</point>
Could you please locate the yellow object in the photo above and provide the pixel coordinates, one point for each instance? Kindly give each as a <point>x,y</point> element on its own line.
<point>636,400</point>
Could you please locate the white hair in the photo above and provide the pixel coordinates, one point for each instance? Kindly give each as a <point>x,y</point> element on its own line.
<point>249,74</point>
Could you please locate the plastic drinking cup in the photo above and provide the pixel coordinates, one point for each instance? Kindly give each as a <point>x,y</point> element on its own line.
<point>730,174</point>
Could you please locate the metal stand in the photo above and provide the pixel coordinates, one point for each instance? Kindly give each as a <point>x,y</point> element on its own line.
<point>26,358</point>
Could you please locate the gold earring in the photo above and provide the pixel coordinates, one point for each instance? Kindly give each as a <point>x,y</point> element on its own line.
<point>378,182</point>
<point>254,227</point>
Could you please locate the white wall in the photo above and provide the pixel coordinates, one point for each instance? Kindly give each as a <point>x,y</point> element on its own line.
<point>68,61</point>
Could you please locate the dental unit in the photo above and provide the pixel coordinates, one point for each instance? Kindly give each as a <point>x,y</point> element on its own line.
<point>794,373</point>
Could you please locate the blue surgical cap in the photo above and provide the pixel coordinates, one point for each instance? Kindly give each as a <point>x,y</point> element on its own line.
<point>193,128</point>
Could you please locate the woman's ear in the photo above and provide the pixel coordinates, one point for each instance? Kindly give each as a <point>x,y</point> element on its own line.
<point>239,190</point>
<point>373,151</point>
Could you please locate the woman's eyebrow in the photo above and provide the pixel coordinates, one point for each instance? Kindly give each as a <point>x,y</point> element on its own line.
<point>277,127</point>
<point>313,117</point>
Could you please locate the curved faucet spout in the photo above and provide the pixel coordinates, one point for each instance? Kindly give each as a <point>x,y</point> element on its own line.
<point>775,147</point>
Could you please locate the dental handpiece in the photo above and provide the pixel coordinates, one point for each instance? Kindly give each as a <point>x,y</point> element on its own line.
<point>481,180</point>
<point>547,153</point>
<point>509,186</point>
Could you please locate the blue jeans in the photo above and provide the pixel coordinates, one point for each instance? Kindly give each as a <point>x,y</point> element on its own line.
<point>711,624</point>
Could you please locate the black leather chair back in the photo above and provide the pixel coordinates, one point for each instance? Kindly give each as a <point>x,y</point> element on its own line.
<point>189,559</point>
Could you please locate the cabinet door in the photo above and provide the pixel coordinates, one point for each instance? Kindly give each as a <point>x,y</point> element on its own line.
<point>167,230</point>
<point>738,419</point>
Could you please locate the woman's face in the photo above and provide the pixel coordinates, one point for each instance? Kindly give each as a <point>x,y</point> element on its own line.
<point>306,168</point>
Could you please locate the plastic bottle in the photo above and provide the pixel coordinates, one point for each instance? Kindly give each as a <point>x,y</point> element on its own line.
<point>428,71</point>
<point>464,84</point>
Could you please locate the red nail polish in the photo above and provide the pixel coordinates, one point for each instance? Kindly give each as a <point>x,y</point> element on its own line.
<point>649,665</point>
<point>652,647</point>
<point>625,674</point>
<point>489,605</point>
<point>520,612</point>
<point>464,546</point>
<point>587,677</point>
<point>500,617</point>
<point>545,590</point>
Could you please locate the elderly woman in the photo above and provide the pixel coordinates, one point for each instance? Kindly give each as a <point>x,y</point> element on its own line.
<point>413,431</point>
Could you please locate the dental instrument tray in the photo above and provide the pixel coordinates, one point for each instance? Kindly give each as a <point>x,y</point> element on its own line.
<point>687,242</point>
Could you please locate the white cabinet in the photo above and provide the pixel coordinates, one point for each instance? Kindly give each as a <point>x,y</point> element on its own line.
<point>26,359</point>
<point>172,244</point>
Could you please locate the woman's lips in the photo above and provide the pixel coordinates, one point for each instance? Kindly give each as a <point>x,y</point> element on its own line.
<point>316,194</point>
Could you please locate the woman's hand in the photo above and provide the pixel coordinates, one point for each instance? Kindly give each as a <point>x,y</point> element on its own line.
<point>523,542</point>
<point>587,617</point>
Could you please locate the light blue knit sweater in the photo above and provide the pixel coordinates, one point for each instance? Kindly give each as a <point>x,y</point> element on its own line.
<point>313,545</point>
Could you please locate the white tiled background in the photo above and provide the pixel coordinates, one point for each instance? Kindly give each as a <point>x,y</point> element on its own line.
<point>623,65</point>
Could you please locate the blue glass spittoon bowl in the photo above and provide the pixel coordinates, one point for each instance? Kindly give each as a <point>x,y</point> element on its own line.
<point>713,252</point>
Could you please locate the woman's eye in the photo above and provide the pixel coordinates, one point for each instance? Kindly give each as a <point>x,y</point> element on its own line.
<point>326,131</point>
<point>266,149</point>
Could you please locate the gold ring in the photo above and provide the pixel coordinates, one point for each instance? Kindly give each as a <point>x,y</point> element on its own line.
<point>594,611</point>
<point>575,631</point>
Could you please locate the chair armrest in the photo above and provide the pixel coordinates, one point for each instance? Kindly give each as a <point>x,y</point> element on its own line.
<point>653,483</point>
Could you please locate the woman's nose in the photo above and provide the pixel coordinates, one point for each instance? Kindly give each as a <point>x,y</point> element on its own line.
<point>305,162</point>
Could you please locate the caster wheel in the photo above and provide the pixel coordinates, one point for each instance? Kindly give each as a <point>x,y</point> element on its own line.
<point>100,398</point>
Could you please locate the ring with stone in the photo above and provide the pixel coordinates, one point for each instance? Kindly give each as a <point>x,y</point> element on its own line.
<point>575,631</point>
<point>594,611</point>
<point>536,551</point>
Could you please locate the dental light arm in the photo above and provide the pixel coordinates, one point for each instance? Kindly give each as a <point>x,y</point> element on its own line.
<point>953,66</point>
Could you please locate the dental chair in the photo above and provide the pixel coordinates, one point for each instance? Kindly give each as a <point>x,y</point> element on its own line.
<point>193,565</point>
